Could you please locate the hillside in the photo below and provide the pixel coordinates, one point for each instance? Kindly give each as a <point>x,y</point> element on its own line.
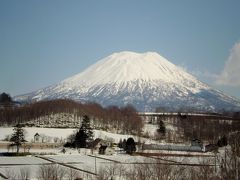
<point>68,113</point>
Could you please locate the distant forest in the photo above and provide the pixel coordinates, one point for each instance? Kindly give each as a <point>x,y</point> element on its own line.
<point>124,118</point>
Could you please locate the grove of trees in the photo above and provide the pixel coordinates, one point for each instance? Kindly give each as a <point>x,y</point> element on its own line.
<point>120,120</point>
<point>210,130</point>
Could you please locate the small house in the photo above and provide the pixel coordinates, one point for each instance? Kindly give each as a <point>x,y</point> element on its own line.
<point>105,150</point>
<point>37,138</point>
<point>172,147</point>
<point>196,142</point>
<point>102,149</point>
<point>211,148</point>
<point>97,143</point>
<point>102,146</point>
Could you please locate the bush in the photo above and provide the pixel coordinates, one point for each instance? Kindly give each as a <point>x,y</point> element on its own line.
<point>130,146</point>
<point>222,142</point>
<point>69,145</point>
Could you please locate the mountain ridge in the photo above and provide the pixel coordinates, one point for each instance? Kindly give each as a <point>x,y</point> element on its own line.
<point>145,80</point>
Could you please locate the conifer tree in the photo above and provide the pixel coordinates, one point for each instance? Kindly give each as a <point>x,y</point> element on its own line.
<point>130,146</point>
<point>162,128</point>
<point>120,144</point>
<point>124,144</point>
<point>18,136</point>
<point>5,98</point>
<point>85,133</point>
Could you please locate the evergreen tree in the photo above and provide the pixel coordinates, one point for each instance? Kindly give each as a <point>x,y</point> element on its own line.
<point>18,136</point>
<point>81,139</point>
<point>222,141</point>
<point>85,133</point>
<point>162,128</point>
<point>5,98</point>
<point>120,144</point>
<point>130,146</point>
<point>124,144</point>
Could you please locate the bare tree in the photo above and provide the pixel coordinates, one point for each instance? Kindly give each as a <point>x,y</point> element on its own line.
<point>25,173</point>
<point>110,171</point>
<point>144,171</point>
<point>10,174</point>
<point>51,172</point>
<point>73,174</point>
<point>230,166</point>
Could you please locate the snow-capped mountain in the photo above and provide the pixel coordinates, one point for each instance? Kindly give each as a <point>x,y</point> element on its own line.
<point>145,81</point>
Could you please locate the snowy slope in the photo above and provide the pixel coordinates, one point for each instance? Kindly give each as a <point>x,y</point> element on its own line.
<point>52,133</point>
<point>144,80</point>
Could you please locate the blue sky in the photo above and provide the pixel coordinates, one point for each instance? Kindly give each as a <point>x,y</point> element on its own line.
<point>44,42</point>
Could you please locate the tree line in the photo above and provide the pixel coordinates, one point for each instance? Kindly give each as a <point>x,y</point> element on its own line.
<point>121,120</point>
<point>210,130</point>
<point>207,129</point>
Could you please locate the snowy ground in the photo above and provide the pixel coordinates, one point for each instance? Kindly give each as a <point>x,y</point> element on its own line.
<point>83,161</point>
<point>92,163</point>
<point>12,166</point>
<point>150,129</point>
<point>62,134</point>
<point>30,132</point>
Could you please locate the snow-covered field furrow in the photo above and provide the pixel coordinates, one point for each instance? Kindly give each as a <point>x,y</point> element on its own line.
<point>10,166</point>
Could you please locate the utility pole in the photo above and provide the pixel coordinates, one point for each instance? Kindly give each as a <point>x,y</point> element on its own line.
<point>95,165</point>
<point>215,164</point>
<point>236,160</point>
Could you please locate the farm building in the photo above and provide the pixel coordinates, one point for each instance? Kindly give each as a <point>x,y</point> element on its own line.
<point>103,147</point>
<point>37,138</point>
<point>171,147</point>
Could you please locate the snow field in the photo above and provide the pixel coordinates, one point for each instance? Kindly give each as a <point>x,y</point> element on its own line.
<point>30,132</point>
<point>61,133</point>
<point>87,162</point>
<point>12,166</point>
<point>83,159</point>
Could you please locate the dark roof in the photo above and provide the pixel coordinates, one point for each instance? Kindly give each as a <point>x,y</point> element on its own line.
<point>103,147</point>
<point>95,142</point>
<point>36,134</point>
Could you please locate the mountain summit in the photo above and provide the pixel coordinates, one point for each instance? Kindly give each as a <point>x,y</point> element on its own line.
<point>129,66</point>
<point>145,80</point>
